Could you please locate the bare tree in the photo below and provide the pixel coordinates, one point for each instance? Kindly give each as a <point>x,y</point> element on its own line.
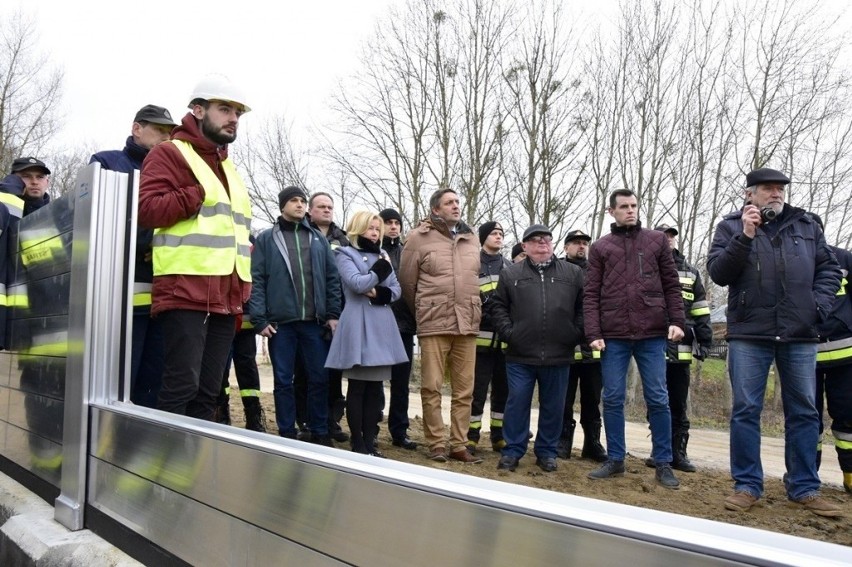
<point>28,99</point>
<point>546,168</point>
<point>270,162</point>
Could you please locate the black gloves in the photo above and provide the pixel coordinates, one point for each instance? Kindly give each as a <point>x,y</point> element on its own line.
<point>383,295</point>
<point>382,268</point>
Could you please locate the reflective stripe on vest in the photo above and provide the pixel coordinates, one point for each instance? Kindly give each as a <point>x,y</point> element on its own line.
<point>214,241</point>
<point>141,294</point>
<point>833,351</point>
<point>13,203</point>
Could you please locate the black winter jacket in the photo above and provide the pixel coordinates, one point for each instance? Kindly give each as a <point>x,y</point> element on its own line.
<point>540,315</point>
<point>779,287</point>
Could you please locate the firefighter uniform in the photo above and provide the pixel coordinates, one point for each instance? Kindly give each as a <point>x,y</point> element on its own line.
<point>698,336</point>
<point>834,370</point>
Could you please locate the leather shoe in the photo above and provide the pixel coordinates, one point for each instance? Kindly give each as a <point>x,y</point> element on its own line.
<point>508,463</point>
<point>438,454</point>
<point>465,457</point>
<point>405,443</point>
<point>377,453</point>
<point>547,464</point>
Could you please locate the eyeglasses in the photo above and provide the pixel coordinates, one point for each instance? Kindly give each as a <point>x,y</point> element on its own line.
<point>540,239</point>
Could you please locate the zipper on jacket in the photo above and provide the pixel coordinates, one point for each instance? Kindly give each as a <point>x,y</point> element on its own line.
<point>543,313</point>
<point>641,263</point>
<point>301,268</point>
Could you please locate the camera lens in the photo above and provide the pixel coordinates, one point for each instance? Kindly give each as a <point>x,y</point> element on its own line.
<point>768,214</point>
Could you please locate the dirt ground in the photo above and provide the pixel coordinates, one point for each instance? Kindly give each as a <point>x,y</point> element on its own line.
<point>700,495</point>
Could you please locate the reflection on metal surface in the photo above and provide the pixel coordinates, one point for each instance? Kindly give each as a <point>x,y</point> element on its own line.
<point>365,512</point>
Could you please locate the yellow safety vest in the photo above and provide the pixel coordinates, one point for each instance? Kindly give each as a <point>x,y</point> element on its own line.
<point>214,241</point>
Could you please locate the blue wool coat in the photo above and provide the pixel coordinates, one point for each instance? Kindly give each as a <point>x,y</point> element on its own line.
<point>367,335</point>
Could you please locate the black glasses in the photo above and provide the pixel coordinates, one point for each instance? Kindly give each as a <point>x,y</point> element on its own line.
<point>540,239</point>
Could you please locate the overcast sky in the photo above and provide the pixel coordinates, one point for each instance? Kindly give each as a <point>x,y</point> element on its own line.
<point>288,55</point>
<point>118,56</point>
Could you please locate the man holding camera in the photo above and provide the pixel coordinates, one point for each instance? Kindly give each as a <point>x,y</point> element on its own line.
<point>782,278</point>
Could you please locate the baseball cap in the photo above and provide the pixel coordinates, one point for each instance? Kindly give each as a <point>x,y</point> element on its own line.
<point>23,163</point>
<point>155,115</point>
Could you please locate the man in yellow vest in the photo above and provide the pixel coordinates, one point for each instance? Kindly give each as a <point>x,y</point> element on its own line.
<point>191,194</point>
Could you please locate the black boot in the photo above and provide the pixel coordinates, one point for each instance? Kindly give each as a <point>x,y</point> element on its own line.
<point>566,440</point>
<point>679,459</point>
<point>498,443</point>
<point>473,434</point>
<point>255,416</point>
<point>592,448</point>
<point>223,411</point>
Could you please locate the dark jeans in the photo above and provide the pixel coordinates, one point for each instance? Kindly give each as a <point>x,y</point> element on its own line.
<point>490,369</point>
<point>677,383</point>
<point>244,354</point>
<point>196,349</point>
<point>306,337</point>
<point>400,375</point>
<point>147,359</point>
<point>336,401</point>
<point>552,382</point>
<point>588,376</point>
<point>834,384</point>
<point>363,401</point>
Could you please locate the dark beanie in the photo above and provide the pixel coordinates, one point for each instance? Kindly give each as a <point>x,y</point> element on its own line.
<point>288,193</point>
<point>516,249</point>
<point>485,229</point>
<point>389,214</point>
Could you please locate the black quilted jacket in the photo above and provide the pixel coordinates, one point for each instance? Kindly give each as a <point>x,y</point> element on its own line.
<point>632,288</point>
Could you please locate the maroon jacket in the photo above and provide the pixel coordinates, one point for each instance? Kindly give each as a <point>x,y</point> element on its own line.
<point>168,193</point>
<point>632,289</point>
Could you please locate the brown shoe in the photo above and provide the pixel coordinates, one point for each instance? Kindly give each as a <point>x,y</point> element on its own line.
<point>465,457</point>
<point>740,501</point>
<point>820,506</point>
<point>438,454</point>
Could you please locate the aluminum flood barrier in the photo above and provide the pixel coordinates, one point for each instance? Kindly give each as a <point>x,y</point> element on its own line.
<point>174,490</point>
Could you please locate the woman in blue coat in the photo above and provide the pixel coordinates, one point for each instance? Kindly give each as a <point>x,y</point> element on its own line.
<point>366,343</point>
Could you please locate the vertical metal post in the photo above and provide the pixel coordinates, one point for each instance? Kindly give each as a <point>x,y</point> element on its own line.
<point>94,324</point>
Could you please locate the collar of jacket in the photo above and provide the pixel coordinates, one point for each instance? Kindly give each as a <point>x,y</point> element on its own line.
<point>626,230</point>
<point>134,151</point>
<point>190,131</point>
<point>435,222</point>
<point>388,242</point>
<point>290,226</point>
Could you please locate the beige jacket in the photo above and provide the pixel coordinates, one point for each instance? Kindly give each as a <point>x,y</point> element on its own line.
<point>439,278</point>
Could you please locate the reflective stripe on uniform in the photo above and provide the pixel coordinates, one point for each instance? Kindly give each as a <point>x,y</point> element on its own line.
<point>14,203</point>
<point>843,283</point>
<point>141,294</point>
<point>831,351</point>
<point>700,308</point>
<point>684,352</point>
<point>248,393</point>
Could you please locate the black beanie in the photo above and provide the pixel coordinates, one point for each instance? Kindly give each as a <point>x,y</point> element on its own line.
<point>485,229</point>
<point>516,249</point>
<point>389,214</point>
<point>288,193</point>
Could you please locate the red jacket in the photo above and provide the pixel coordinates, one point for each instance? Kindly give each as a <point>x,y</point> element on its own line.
<point>168,193</point>
<point>632,289</point>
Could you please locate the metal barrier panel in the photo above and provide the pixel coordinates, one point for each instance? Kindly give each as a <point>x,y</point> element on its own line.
<point>214,495</point>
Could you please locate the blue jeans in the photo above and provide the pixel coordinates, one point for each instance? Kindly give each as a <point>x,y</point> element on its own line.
<point>552,387</point>
<point>650,355</point>
<point>749,363</point>
<point>306,338</point>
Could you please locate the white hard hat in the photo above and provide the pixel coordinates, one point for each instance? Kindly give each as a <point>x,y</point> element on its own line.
<point>218,87</point>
